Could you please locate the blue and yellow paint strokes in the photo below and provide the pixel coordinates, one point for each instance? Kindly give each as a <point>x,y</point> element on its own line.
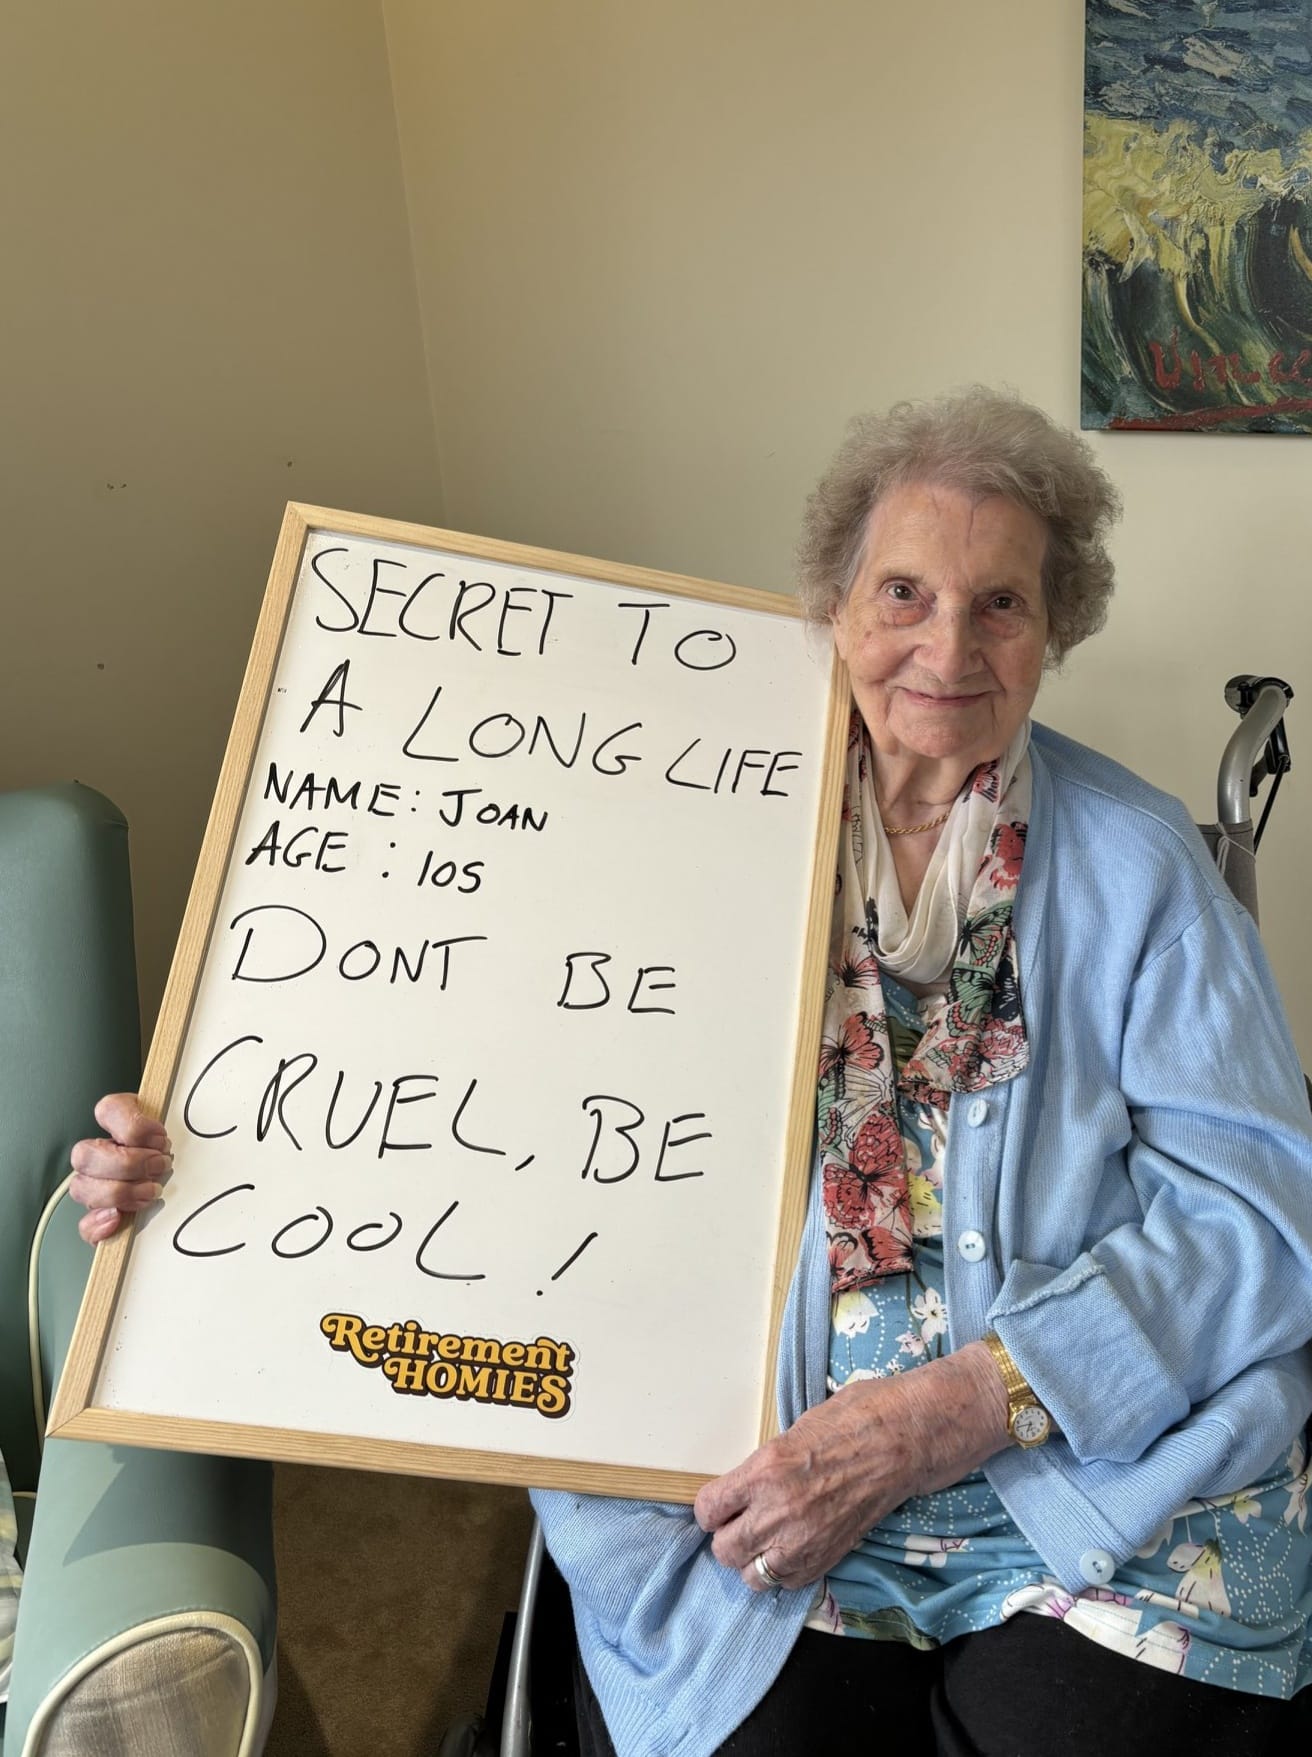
<point>1198,215</point>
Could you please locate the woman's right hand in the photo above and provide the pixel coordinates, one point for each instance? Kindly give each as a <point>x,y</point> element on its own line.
<point>807,1497</point>
<point>122,1174</point>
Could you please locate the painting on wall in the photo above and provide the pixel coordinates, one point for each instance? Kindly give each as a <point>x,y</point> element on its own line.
<point>1198,216</point>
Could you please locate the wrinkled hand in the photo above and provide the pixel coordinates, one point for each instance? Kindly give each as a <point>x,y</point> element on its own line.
<point>123,1174</point>
<point>808,1496</point>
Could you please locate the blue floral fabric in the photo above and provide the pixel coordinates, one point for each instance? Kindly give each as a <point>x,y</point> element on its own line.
<point>11,1579</point>
<point>1222,1594</point>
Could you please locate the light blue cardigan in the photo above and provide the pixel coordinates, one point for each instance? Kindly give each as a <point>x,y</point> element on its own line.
<point>1144,1191</point>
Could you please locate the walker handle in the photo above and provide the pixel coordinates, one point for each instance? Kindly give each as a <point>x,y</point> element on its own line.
<point>1258,746</point>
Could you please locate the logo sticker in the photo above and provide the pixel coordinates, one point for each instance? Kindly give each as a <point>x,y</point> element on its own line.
<point>478,1369</point>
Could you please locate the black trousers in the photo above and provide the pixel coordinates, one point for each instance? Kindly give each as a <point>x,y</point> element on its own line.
<point>1029,1688</point>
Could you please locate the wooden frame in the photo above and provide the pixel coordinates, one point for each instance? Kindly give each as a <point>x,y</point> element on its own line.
<point>75,1413</point>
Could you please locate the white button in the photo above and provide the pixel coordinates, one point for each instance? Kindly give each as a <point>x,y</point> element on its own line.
<point>971,1245</point>
<point>1097,1567</point>
<point>977,1112</point>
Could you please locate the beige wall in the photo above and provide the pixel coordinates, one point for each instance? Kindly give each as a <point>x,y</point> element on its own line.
<point>206,308</point>
<point>661,253</point>
<point>664,251</point>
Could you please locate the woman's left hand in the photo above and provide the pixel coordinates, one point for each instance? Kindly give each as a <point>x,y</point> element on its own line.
<point>807,1497</point>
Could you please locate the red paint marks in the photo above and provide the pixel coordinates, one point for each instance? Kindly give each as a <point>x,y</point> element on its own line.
<point>1294,375</point>
<point>1166,379</point>
<point>1199,419</point>
<point>1218,372</point>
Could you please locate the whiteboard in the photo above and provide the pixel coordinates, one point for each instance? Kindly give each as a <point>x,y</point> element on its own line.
<point>488,1050</point>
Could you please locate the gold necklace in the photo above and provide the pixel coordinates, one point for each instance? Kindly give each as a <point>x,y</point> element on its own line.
<point>915,829</point>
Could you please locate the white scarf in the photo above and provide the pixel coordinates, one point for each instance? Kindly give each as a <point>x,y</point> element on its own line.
<point>920,948</point>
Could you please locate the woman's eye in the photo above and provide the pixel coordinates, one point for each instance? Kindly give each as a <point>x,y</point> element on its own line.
<point>900,592</point>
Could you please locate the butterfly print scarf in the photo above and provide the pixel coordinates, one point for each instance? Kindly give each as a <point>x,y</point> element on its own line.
<point>977,1040</point>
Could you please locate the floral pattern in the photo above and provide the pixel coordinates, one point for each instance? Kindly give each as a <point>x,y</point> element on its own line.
<point>1221,1593</point>
<point>11,1580</point>
<point>877,1203</point>
<point>1202,1585</point>
<point>1112,1619</point>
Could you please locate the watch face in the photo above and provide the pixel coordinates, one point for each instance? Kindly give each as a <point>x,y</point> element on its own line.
<point>1030,1425</point>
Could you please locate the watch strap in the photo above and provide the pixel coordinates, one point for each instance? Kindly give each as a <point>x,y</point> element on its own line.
<point>1017,1385</point>
<point>1020,1394</point>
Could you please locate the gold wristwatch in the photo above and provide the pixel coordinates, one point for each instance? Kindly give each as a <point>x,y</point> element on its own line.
<point>1028,1422</point>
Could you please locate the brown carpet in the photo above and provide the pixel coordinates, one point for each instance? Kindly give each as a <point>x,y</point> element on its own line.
<point>391,1592</point>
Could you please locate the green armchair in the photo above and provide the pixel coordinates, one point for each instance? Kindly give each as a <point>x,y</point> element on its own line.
<point>146,1622</point>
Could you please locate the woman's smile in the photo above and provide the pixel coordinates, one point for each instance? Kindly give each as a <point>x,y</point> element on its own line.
<point>944,633</point>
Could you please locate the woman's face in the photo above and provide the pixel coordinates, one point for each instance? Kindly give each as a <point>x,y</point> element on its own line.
<point>945,629</point>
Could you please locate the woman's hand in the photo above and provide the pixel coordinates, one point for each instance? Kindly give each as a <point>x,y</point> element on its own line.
<point>808,1496</point>
<point>123,1174</point>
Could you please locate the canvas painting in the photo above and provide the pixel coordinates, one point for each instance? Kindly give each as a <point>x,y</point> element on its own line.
<point>1198,216</point>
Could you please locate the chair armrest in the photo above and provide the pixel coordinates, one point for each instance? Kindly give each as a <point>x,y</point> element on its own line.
<point>69,1032</point>
<point>123,1537</point>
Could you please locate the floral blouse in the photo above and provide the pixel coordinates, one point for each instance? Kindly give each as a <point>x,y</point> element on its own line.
<point>1222,1594</point>
<point>11,1578</point>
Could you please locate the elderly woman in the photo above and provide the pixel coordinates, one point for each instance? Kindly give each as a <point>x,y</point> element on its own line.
<point>1043,1352</point>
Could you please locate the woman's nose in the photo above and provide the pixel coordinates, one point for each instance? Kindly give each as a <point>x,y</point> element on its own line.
<point>949,648</point>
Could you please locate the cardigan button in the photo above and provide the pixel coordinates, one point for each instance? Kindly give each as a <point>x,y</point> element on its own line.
<point>971,1245</point>
<point>976,1112</point>
<point>1097,1567</point>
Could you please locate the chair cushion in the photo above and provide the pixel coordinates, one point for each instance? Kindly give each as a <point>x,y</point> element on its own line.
<point>183,1690</point>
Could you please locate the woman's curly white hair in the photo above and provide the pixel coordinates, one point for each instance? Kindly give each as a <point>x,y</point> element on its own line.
<point>983,442</point>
